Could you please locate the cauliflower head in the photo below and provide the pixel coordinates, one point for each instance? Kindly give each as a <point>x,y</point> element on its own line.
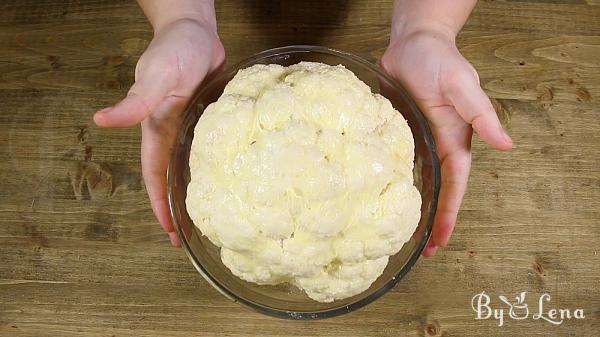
<point>302,175</point>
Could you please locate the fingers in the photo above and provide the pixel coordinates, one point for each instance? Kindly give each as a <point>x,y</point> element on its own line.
<point>143,98</point>
<point>473,105</point>
<point>430,248</point>
<point>455,175</point>
<point>158,135</point>
<point>453,142</point>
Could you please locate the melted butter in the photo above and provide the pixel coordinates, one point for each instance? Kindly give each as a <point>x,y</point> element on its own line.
<point>295,170</point>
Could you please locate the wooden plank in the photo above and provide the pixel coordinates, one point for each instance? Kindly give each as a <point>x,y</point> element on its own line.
<point>78,261</point>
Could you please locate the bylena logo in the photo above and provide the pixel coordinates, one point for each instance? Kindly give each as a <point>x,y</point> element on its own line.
<point>519,310</point>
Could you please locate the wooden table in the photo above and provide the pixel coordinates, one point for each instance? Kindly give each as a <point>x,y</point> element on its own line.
<point>79,262</point>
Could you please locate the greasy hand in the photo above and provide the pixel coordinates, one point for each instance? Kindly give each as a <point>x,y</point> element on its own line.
<point>166,76</point>
<point>446,88</point>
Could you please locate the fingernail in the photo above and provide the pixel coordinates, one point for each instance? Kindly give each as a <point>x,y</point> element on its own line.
<point>99,116</point>
<point>174,238</point>
<point>506,137</point>
<point>103,110</point>
<point>433,250</point>
<point>430,251</point>
<point>443,241</point>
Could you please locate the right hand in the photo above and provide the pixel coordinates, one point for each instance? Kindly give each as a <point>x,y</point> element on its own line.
<point>180,55</point>
<point>446,88</point>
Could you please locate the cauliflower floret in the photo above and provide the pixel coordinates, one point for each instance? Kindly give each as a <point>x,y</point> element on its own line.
<point>340,279</point>
<point>302,175</point>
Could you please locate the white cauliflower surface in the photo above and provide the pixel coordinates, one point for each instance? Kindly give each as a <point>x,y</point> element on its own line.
<point>302,175</point>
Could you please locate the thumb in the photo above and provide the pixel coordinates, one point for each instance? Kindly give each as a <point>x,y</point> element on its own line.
<point>143,97</point>
<point>473,105</point>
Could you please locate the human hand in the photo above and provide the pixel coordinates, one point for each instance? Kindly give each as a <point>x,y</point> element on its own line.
<point>446,88</point>
<point>180,55</point>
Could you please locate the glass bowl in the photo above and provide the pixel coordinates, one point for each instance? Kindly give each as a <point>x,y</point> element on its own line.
<point>285,300</point>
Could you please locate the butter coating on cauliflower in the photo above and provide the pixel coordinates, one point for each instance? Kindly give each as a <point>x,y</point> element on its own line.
<point>302,175</point>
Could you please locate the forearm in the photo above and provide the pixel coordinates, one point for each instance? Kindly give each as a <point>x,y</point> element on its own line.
<point>444,16</point>
<point>162,12</point>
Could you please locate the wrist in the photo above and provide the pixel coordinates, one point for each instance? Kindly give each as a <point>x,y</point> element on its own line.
<point>189,20</point>
<point>162,14</point>
<point>406,31</point>
<point>200,19</point>
<point>443,18</point>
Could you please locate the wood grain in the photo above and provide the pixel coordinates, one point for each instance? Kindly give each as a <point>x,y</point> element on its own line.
<point>81,253</point>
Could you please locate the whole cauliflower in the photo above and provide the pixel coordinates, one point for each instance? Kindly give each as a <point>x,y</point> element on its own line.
<point>302,175</point>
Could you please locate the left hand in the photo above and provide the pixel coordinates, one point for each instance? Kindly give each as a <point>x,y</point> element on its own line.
<point>446,88</point>
<point>180,55</point>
